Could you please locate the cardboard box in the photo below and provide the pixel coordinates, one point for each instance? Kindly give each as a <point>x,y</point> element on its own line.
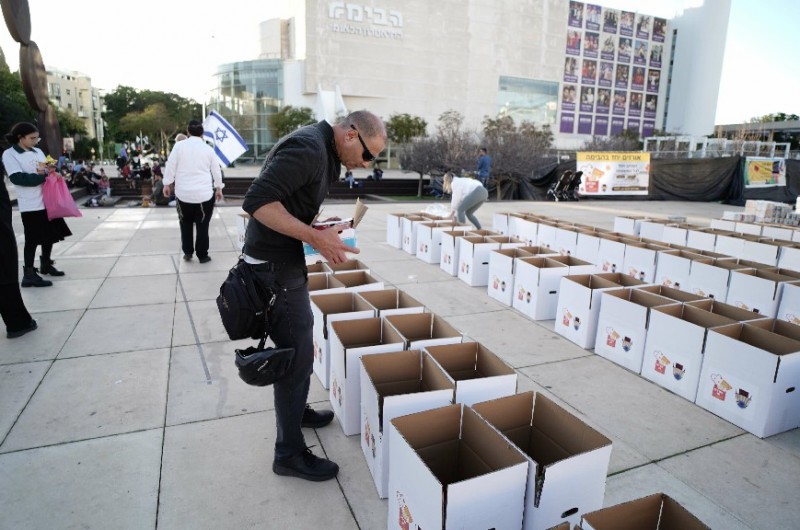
<point>726,310</point>
<point>780,232</point>
<point>429,239</point>
<point>318,267</point>
<point>524,227</point>
<point>654,512</point>
<point>748,228</point>
<point>450,469</point>
<point>359,280</point>
<point>761,250</point>
<point>789,308</point>
<point>750,376</point>
<point>324,284</point>
<point>394,229</point>
<point>610,255</point>
<point>588,245</point>
<point>653,229</point>
<point>711,280</point>
<point>328,308</point>
<point>450,250</point>
<point>641,260</point>
<point>388,302</point>
<point>419,330</point>
<point>242,220</point>
<point>673,267</point>
<point>409,231</point>
<point>566,240</point>
<point>579,306</point>
<point>546,235</point>
<point>345,266</point>
<point>502,269</point>
<point>757,290</point>
<point>349,341</point>
<point>629,224</point>
<point>677,234</point>
<point>473,259</point>
<point>789,257</point>
<point>671,293</point>
<point>568,459</point>
<point>536,286</point>
<point>723,224</point>
<point>477,373</point>
<point>507,242</point>
<point>622,325</point>
<point>500,222</point>
<point>394,385</point>
<point>701,239</point>
<point>673,353</point>
<point>730,243</point>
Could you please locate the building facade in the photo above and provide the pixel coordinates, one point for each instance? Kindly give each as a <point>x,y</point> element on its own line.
<point>581,69</point>
<point>73,92</point>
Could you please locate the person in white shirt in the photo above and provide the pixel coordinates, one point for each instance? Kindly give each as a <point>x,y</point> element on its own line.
<point>467,196</point>
<point>193,167</point>
<point>26,168</point>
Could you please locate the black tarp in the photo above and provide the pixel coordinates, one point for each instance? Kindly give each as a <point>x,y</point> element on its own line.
<point>703,179</point>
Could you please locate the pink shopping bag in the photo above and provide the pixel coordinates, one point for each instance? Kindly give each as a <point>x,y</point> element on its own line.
<point>58,200</point>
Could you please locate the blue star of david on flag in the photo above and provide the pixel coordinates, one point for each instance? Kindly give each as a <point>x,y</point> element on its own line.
<point>221,134</point>
<point>228,144</point>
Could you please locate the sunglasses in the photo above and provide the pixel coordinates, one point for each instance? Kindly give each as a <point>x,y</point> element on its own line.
<point>366,155</point>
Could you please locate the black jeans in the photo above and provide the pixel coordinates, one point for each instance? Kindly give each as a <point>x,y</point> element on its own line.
<point>12,308</point>
<point>191,214</point>
<point>292,326</point>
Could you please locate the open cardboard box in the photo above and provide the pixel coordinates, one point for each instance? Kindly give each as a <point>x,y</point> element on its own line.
<point>750,376</point>
<point>448,468</point>
<point>727,225</point>
<point>762,250</point>
<point>473,268</point>
<point>524,227</point>
<point>677,234</point>
<point>789,308</point>
<point>546,234</point>
<point>610,254</point>
<point>588,245</point>
<point>671,293</point>
<point>318,267</point>
<point>781,232</point>
<point>328,308</point>
<point>730,244</point>
<point>673,353</point>
<point>568,459</point>
<point>726,310</point>
<point>628,224</point>
<point>394,229</point>
<point>567,240</point>
<point>346,266</point>
<point>701,239</point>
<point>502,267</point>
<point>423,329</point>
<point>790,256</point>
<point>536,286</point>
<point>477,373</point>
<point>450,250</point>
<point>429,239</point>
<point>757,290</point>
<point>751,229</point>
<point>349,341</point>
<point>654,512</point>
<point>388,302</point>
<point>358,280</point>
<point>409,231</point>
<point>622,325</point>
<point>394,385</point>
<point>324,284</point>
<point>641,260</point>
<point>653,229</point>
<point>711,280</point>
<point>579,306</point>
<point>507,242</point>
<point>674,267</point>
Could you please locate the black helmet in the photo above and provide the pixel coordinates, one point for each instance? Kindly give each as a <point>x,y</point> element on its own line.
<point>262,367</point>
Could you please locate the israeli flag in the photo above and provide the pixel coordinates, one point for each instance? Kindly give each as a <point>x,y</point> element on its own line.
<point>228,145</point>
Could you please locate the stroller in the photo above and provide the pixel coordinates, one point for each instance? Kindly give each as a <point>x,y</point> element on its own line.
<point>565,187</point>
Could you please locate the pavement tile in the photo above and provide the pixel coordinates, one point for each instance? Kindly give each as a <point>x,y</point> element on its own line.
<point>226,465</point>
<point>203,326</point>
<point>109,482</point>
<point>17,383</point>
<point>45,342</point>
<point>90,397</point>
<point>96,249</point>
<point>151,245</point>
<point>201,285</point>
<point>135,290</point>
<point>407,269</point>
<point>104,234</point>
<point>82,268</point>
<point>142,266</point>
<point>449,298</point>
<point>63,295</point>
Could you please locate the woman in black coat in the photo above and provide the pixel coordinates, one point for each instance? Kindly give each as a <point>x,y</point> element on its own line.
<point>16,317</point>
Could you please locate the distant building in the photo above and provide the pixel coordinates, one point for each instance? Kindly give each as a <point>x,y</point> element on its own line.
<point>73,91</point>
<point>580,68</point>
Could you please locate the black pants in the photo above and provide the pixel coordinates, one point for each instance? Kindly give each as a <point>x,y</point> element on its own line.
<point>191,214</point>
<point>12,308</point>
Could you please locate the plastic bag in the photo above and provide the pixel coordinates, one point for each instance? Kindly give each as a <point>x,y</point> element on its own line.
<point>58,200</point>
<point>437,210</point>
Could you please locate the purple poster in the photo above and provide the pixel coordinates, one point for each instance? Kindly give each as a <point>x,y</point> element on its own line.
<point>626,24</point>
<point>620,102</point>
<point>570,70</point>
<point>589,72</point>
<point>637,78</point>
<point>621,80</point>
<point>659,29</point>
<point>584,124</point>
<point>635,108</point>
<point>617,124</point>
<point>591,44</point>
<point>568,97</point>
<point>587,99</point>
<point>610,20</point>
<point>601,125</point>
<point>650,105</point>
<point>567,123</point>
<point>576,14</point>
<point>593,17</point>
<point>623,50</point>
<point>573,42</point>
<point>653,80</point>
<point>606,74</point>
<point>640,56</point>
<point>643,27</point>
<point>648,128</point>
<point>609,49</point>
<point>603,100</point>
<point>655,55</point>
<point>634,124</point>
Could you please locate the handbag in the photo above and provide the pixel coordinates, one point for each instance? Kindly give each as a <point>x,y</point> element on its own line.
<point>244,303</point>
<point>58,200</point>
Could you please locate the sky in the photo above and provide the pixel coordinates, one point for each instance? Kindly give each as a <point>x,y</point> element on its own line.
<point>176,45</point>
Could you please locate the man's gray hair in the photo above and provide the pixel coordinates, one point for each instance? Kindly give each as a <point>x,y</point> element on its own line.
<point>368,124</point>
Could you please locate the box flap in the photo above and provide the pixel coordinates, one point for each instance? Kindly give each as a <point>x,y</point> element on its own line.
<point>358,333</point>
<point>654,512</point>
<point>355,278</point>
<point>348,265</point>
<point>459,360</point>
<point>490,365</point>
<point>647,299</point>
<point>420,326</point>
<point>672,293</point>
<point>730,311</point>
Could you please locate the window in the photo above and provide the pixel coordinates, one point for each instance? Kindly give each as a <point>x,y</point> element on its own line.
<point>68,92</point>
<point>528,100</point>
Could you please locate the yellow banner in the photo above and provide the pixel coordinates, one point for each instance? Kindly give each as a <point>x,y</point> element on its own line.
<point>614,173</point>
<point>612,156</point>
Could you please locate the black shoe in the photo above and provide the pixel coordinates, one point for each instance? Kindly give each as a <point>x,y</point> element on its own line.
<point>187,257</point>
<point>306,465</point>
<point>21,332</point>
<point>315,419</point>
<point>31,279</point>
<point>204,259</point>
<point>47,268</point>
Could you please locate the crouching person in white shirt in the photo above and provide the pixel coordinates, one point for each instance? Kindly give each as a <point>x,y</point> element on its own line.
<point>467,196</point>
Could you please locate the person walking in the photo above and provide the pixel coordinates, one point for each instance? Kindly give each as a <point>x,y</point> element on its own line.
<point>467,196</point>
<point>26,168</point>
<point>12,308</point>
<point>484,167</point>
<point>284,200</point>
<point>193,167</point>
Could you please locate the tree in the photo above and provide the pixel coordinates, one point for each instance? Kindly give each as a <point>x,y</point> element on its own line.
<point>13,105</point>
<point>69,123</point>
<point>422,156</point>
<point>458,147</point>
<point>290,118</point>
<point>401,128</point>
<point>628,140</point>
<point>125,100</point>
